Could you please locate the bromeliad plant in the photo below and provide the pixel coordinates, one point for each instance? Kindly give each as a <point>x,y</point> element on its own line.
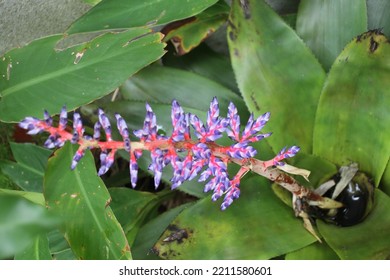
<point>189,157</point>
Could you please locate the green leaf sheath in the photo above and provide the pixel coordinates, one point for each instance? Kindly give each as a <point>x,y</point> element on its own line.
<point>38,77</point>
<point>327,26</point>
<point>275,72</point>
<point>119,14</point>
<point>353,113</point>
<point>82,200</point>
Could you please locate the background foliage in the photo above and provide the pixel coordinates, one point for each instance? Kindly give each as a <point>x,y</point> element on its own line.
<point>313,64</point>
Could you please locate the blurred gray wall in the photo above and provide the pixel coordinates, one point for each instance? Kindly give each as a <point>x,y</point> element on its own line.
<point>22,21</point>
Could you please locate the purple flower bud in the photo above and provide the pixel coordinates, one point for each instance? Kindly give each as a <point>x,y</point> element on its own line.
<point>96,130</point>
<point>48,118</point>
<point>106,161</point>
<point>105,123</point>
<point>50,142</point>
<point>33,125</point>
<point>133,171</point>
<point>178,122</point>
<point>241,150</point>
<point>123,130</point>
<point>201,150</point>
<point>77,157</point>
<point>234,123</point>
<point>78,129</point>
<point>197,124</point>
<point>63,118</point>
<point>254,127</point>
<point>213,112</point>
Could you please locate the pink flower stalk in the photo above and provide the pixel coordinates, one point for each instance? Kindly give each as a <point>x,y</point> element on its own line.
<point>202,155</point>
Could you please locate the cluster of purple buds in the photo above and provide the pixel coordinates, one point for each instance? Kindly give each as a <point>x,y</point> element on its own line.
<point>190,153</point>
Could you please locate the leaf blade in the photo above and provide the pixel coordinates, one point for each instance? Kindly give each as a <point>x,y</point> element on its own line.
<point>81,199</point>
<point>262,65</point>
<point>79,74</point>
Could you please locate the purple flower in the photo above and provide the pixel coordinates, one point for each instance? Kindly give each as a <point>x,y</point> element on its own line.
<point>33,125</point>
<point>78,129</point>
<point>105,123</point>
<point>63,118</point>
<point>203,156</point>
<point>123,130</point>
<point>234,123</point>
<point>106,161</point>
<point>77,157</point>
<point>285,153</point>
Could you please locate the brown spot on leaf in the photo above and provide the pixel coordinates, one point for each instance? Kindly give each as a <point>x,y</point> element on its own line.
<point>373,45</point>
<point>246,9</point>
<point>232,35</point>
<point>252,96</point>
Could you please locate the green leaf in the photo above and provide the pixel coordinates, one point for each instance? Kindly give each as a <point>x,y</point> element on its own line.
<point>275,72</point>
<point>365,241</point>
<point>81,199</point>
<point>327,26</point>
<point>37,250</point>
<point>257,218</point>
<point>118,14</point>
<point>38,77</point>
<point>316,251</point>
<point>27,172</point>
<point>34,197</point>
<point>151,232</point>
<point>157,84</point>
<point>207,63</point>
<point>378,13</point>
<point>59,247</point>
<point>188,34</point>
<point>21,221</point>
<point>131,207</point>
<point>353,113</point>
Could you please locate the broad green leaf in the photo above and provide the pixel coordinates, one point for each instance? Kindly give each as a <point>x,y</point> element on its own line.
<point>353,113</point>
<point>131,207</point>
<point>275,72</point>
<point>151,232</point>
<point>27,172</point>
<point>205,62</point>
<point>256,226</point>
<point>118,14</point>
<point>327,26</point>
<point>37,250</point>
<point>163,84</point>
<point>378,13</point>
<point>82,200</point>
<point>34,197</point>
<point>365,241</point>
<point>38,77</point>
<point>189,33</point>
<point>21,221</point>
<point>316,251</point>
